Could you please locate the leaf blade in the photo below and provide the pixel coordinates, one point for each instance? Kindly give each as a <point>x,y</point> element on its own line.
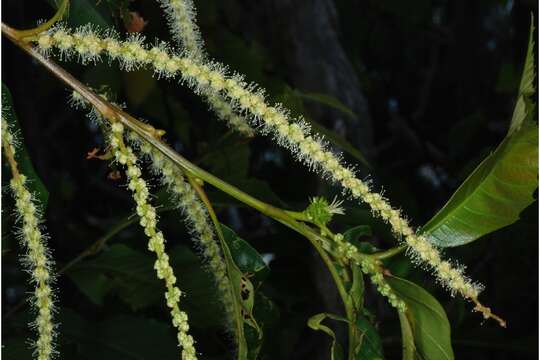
<point>426,321</point>
<point>502,186</point>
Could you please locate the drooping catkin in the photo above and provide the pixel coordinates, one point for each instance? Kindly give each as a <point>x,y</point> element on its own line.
<point>293,134</point>
<point>148,220</point>
<point>187,200</point>
<point>181,18</point>
<point>196,216</point>
<point>37,259</point>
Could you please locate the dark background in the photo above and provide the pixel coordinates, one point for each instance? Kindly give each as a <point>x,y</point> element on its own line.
<point>433,85</point>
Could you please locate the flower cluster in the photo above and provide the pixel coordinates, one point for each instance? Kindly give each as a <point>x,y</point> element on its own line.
<point>88,45</point>
<point>181,18</point>
<point>37,260</point>
<point>187,200</point>
<point>370,267</point>
<point>293,134</point>
<point>196,216</point>
<point>147,213</point>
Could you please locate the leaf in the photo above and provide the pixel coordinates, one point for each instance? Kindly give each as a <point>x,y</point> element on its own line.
<point>95,286</point>
<point>356,293</point>
<point>229,160</point>
<point>248,260</point>
<point>426,319</point>
<point>121,337</point>
<point>407,338</point>
<point>328,101</point>
<point>526,86</point>
<point>130,275</point>
<point>83,12</point>
<point>34,184</point>
<point>369,346</point>
<point>493,195</point>
<point>502,185</point>
<point>315,322</point>
<point>244,264</point>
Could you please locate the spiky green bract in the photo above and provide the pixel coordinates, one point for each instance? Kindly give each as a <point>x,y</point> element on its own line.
<point>197,219</point>
<point>293,134</point>
<point>37,259</point>
<point>320,212</point>
<point>148,220</point>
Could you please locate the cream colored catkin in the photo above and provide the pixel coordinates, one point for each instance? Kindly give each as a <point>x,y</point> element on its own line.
<point>197,219</point>
<point>293,134</point>
<point>148,220</point>
<point>37,259</point>
<point>188,201</point>
<point>181,18</point>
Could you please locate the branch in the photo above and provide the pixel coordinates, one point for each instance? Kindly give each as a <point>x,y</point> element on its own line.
<point>114,113</point>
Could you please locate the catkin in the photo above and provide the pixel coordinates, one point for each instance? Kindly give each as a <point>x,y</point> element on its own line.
<point>196,216</point>
<point>147,214</point>
<point>181,19</point>
<point>293,134</point>
<point>37,259</point>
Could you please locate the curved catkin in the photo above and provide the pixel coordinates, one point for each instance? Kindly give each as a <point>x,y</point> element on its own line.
<point>197,219</point>
<point>371,268</point>
<point>147,213</point>
<point>293,134</point>
<point>181,18</point>
<point>37,259</point>
<point>188,201</point>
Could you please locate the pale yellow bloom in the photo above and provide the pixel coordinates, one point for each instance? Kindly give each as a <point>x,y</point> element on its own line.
<point>37,258</point>
<point>148,220</point>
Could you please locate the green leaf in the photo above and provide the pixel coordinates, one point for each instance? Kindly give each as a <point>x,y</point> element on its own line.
<point>493,195</point>
<point>356,293</point>
<point>121,337</point>
<point>502,185</point>
<point>83,12</point>
<point>369,345</point>
<point>34,184</point>
<point>328,101</point>
<point>248,260</point>
<point>526,87</point>
<point>315,322</point>
<point>244,264</point>
<point>426,319</point>
<point>95,286</point>
<point>130,275</point>
<point>407,338</point>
